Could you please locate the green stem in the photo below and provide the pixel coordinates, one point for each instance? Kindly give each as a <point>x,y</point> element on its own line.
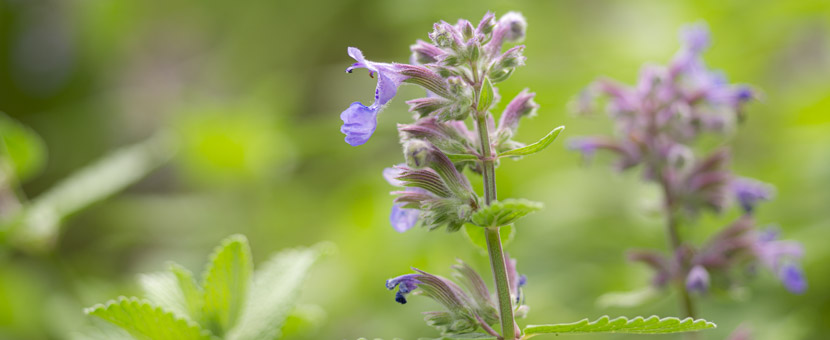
<point>675,242</point>
<point>494,248</point>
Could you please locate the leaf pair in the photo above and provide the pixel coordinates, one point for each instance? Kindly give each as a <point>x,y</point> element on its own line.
<point>230,302</point>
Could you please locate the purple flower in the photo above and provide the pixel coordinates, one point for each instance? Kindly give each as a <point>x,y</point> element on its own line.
<point>793,278</point>
<point>360,121</point>
<point>698,279</point>
<point>781,257</point>
<point>405,283</point>
<point>749,192</point>
<point>402,219</point>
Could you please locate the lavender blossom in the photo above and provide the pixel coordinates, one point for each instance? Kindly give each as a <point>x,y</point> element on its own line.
<point>360,121</point>
<point>749,192</point>
<point>401,218</point>
<point>793,278</point>
<point>405,283</point>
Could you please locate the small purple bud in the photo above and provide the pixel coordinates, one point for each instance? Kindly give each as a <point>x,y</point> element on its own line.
<point>522,105</point>
<point>426,53</point>
<point>417,153</point>
<point>698,279</point>
<point>485,26</point>
<point>695,37</point>
<point>793,278</point>
<point>511,27</point>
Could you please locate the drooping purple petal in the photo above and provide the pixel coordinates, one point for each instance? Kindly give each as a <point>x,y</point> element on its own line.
<point>403,219</point>
<point>793,279</point>
<point>359,122</point>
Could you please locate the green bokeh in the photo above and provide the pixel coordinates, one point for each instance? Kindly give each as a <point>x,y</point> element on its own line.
<point>255,89</point>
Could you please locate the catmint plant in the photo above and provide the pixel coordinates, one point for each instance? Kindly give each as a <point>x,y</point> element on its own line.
<point>658,121</point>
<point>458,69</point>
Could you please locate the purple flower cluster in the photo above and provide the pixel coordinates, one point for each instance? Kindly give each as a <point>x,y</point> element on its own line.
<point>657,121</point>
<point>457,70</point>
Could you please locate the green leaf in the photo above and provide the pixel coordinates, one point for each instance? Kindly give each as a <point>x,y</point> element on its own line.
<point>163,290</point>
<point>273,296</point>
<point>22,148</point>
<point>480,336</point>
<point>226,281</point>
<point>192,294</point>
<point>638,325</point>
<point>144,320</point>
<point>505,212</point>
<point>486,95</point>
<point>535,147</point>
<point>41,219</point>
<point>475,235</point>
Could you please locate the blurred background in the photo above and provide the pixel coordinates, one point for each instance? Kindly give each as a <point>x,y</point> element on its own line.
<point>247,97</point>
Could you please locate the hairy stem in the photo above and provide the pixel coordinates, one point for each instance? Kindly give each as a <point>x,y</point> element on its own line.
<point>494,248</point>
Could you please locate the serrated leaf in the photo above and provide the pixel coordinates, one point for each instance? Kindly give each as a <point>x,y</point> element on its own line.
<point>144,320</point>
<point>163,290</point>
<point>505,212</point>
<point>475,235</point>
<point>638,325</point>
<point>535,147</point>
<point>226,281</point>
<point>22,148</point>
<point>192,294</point>
<point>276,287</point>
<point>113,173</point>
<point>486,95</point>
<point>479,336</point>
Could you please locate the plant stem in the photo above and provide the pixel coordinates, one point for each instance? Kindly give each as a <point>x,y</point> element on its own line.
<point>676,243</point>
<point>494,248</point>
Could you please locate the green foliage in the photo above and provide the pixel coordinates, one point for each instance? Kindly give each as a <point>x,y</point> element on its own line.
<point>227,303</point>
<point>505,212</point>
<point>226,283</point>
<point>274,292</point>
<point>21,149</point>
<point>37,226</point>
<point>535,147</point>
<point>475,235</point>
<point>145,320</point>
<point>485,98</point>
<point>638,325</point>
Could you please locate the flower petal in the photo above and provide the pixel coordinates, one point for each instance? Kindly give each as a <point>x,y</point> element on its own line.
<point>403,219</point>
<point>359,122</point>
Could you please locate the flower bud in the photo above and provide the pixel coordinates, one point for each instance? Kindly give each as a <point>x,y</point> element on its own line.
<point>504,65</point>
<point>466,28</point>
<point>515,25</point>
<point>417,153</point>
<point>522,105</point>
<point>485,26</point>
<point>426,53</point>
<point>698,279</point>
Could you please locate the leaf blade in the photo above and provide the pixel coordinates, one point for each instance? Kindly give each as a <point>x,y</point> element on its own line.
<point>274,292</point>
<point>225,283</point>
<point>502,213</point>
<point>145,320</point>
<point>637,325</point>
<point>486,95</point>
<point>535,147</point>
